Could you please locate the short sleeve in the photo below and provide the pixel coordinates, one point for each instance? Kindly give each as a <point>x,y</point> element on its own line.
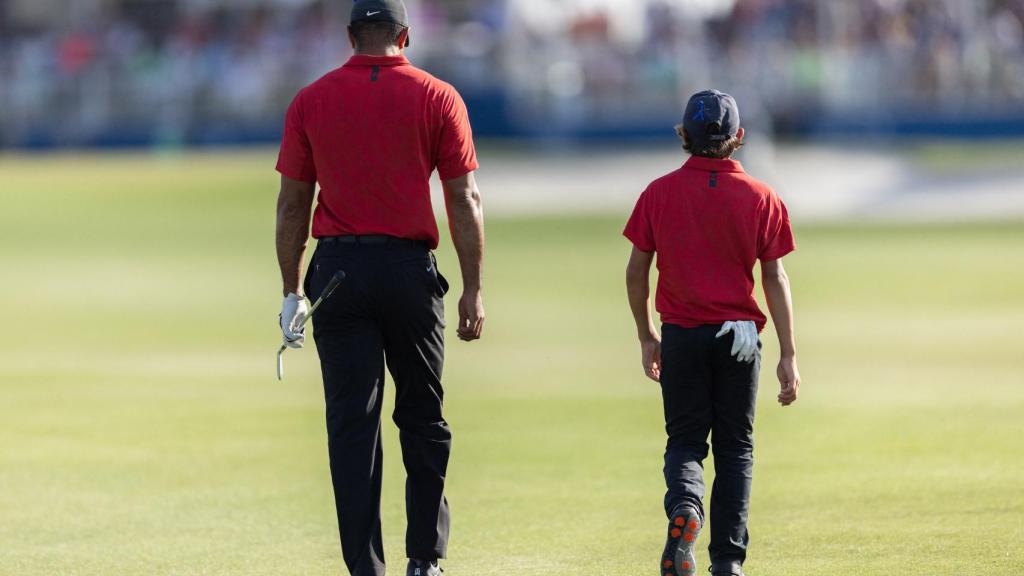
<point>456,155</point>
<point>296,157</point>
<point>639,230</point>
<point>776,239</point>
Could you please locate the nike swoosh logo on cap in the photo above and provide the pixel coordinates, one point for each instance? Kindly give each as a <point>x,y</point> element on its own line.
<point>373,13</point>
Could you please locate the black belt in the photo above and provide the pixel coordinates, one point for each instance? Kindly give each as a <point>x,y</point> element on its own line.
<point>376,239</point>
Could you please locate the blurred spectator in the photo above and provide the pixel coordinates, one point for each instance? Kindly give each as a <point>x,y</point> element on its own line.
<point>197,71</point>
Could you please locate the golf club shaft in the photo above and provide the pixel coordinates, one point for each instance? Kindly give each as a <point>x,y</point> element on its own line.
<point>328,290</point>
<point>280,362</point>
<point>312,309</point>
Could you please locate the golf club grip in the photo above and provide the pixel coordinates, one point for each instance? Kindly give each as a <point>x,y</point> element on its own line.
<point>328,290</point>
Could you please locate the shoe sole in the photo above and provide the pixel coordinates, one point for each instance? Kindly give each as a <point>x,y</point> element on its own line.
<point>678,558</point>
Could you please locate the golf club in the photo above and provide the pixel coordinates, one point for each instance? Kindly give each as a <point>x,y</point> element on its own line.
<point>328,290</point>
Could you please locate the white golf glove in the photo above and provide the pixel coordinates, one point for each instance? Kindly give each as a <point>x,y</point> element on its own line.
<point>744,341</point>
<point>293,314</point>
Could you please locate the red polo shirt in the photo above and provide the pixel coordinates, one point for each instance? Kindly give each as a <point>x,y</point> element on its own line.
<point>709,222</point>
<point>371,133</point>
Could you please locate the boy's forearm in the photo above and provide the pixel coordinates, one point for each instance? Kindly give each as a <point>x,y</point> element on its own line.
<point>780,305</point>
<point>638,290</point>
<point>639,303</point>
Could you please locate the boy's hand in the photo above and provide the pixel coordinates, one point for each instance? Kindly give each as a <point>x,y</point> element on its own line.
<point>650,350</point>
<point>789,380</point>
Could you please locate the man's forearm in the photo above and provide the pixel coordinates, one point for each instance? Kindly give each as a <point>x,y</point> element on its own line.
<point>466,220</point>
<point>292,236</point>
<point>780,305</point>
<point>293,211</point>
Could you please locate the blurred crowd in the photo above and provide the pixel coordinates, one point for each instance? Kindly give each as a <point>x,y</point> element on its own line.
<point>788,61</point>
<point>195,71</point>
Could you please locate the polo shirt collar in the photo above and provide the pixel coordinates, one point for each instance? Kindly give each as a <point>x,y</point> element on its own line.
<point>364,60</point>
<point>713,164</point>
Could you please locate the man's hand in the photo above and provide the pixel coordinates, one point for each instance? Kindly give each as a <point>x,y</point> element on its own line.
<point>650,352</point>
<point>471,316</point>
<point>744,339</point>
<point>293,313</point>
<point>789,380</point>
<point>466,221</point>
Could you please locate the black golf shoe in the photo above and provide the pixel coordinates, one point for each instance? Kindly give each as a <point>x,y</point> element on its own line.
<point>726,569</point>
<point>683,527</point>
<point>423,568</point>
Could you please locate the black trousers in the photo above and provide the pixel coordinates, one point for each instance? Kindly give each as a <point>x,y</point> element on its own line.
<point>706,390</point>
<point>388,311</point>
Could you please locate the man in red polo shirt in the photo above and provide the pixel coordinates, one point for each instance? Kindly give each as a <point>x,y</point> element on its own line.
<point>371,133</point>
<point>709,223</point>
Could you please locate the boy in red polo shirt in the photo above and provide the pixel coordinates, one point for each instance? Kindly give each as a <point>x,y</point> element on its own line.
<point>709,223</point>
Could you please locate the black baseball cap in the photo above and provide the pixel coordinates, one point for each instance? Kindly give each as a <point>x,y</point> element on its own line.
<point>711,116</point>
<point>391,11</point>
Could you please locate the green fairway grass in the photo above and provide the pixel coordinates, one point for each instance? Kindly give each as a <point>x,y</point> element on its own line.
<point>142,431</point>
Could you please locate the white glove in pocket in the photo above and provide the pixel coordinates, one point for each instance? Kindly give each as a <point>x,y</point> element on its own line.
<point>744,341</point>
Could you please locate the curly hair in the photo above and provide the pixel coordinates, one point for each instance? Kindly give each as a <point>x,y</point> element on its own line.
<point>720,150</point>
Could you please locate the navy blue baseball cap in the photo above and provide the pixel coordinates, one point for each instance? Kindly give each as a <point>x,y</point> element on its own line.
<point>391,11</point>
<point>711,116</point>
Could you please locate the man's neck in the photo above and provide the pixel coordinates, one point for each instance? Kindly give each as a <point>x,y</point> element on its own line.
<point>390,52</point>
